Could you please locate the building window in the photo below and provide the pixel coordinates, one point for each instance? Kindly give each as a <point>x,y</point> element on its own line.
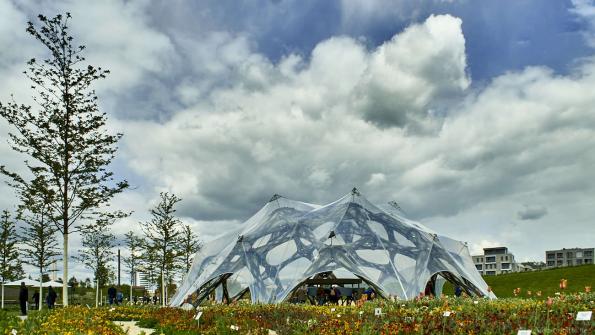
<point>570,254</point>
<point>491,259</point>
<point>579,254</point>
<point>588,253</point>
<point>559,263</point>
<point>551,263</point>
<point>569,262</point>
<point>478,266</point>
<point>588,261</point>
<point>560,255</point>
<point>579,261</point>
<point>551,256</point>
<point>490,273</point>
<point>505,266</point>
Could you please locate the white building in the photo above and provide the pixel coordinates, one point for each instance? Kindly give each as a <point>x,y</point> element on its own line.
<point>495,261</point>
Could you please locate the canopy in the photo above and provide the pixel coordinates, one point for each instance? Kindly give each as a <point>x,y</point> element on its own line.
<point>52,284</point>
<point>28,282</point>
<point>287,242</point>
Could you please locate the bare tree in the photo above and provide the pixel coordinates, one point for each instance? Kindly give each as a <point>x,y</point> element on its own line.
<point>66,134</point>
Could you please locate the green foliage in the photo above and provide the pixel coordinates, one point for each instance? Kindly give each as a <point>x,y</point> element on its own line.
<point>10,266</point>
<point>38,235</point>
<point>162,236</point>
<point>546,281</point>
<point>65,137</point>
<point>97,253</point>
<point>189,245</point>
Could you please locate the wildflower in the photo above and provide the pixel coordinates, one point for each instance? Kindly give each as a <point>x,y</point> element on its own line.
<point>563,284</point>
<point>587,289</point>
<point>549,301</point>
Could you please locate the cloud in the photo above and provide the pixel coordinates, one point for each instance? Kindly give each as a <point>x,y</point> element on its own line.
<point>413,71</point>
<point>224,126</point>
<point>531,212</point>
<point>585,10</point>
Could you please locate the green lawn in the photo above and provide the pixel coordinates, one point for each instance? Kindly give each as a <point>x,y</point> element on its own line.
<point>546,281</point>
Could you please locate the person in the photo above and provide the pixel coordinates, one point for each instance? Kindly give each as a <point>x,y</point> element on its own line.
<point>334,295</point>
<point>320,295</point>
<point>458,291</point>
<point>36,299</point>
<point>111,295</point>
<point>119,298</point>
<point>23,298</point>
<point>370,293</point>
<point>51,297</point>
<point>154,299</point>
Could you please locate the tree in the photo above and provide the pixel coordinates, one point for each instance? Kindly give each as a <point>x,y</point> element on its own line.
<point>132,262</point>
<point>66,136</point>
<point>96,253</point>
<point>189,245</point>
<point>10,266</point>
<point>38,233</point>
<point>162,233</point>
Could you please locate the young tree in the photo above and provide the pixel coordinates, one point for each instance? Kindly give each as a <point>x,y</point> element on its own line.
<point>162,235</point>
<point>10,266</point>
<point>66,136</point>
<point>189,245</point>
<point>134,245</point>
<point>38,235</point>
<point>96,253</point>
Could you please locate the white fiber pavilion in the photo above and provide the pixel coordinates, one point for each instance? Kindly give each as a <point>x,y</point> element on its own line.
<point>288,242</point>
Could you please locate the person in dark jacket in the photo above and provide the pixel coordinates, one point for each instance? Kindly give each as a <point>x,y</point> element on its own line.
<point>111,295</point>
<point>23,298</point>
<point>50,299</point>
<point>36,299</point>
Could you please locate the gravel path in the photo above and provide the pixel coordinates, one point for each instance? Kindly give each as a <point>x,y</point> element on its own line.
<point>131,328</point>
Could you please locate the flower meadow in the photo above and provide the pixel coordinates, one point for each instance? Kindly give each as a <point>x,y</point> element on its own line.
<point>423,316</point>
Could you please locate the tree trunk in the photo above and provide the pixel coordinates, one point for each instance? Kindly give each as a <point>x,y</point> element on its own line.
<point>162,289</point>
<point>97,293</point>
<point>40,291</point>
<point>131,282</point>
<point>2,294</point>
<point>65,272</point>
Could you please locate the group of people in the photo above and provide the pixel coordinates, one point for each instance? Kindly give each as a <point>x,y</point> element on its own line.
<point>333,295</point>
<point>50,298</point>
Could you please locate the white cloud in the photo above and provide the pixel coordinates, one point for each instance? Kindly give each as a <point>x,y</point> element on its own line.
<point>310,127</point>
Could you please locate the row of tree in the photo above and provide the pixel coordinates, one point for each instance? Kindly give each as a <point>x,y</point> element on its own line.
<point>67,187</point>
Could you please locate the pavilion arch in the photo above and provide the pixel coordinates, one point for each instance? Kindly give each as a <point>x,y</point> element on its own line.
<point>288,241</point>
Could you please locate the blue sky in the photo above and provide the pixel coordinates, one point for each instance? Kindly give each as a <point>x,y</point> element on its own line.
<point>476,116</point>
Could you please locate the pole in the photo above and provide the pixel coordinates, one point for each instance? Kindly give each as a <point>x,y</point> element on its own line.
<point>118,267</point>
<point>97,293</point>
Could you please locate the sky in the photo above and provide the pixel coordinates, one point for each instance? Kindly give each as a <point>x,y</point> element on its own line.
<point>477,117</point>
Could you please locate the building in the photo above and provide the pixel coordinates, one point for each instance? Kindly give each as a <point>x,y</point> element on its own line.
<point>568,257</point>
<point>495,261</point>
<point>141,279</point>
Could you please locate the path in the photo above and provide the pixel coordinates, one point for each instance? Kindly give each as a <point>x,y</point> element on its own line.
<point>131,328</point>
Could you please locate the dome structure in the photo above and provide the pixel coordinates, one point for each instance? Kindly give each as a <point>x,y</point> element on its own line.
<point>287,242</point>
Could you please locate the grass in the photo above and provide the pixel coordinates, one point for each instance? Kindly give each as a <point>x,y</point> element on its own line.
<point>546,281</point>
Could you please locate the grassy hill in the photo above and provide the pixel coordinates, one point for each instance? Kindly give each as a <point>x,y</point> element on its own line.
<point>546,281</point>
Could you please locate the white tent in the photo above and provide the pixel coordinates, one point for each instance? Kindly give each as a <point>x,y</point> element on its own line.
<point>288,242</point>
<point>28,282</point>
<point>52,284</point>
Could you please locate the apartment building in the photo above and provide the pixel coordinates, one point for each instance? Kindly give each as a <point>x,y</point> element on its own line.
<point>495,261</point>
<point>568,257</point>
